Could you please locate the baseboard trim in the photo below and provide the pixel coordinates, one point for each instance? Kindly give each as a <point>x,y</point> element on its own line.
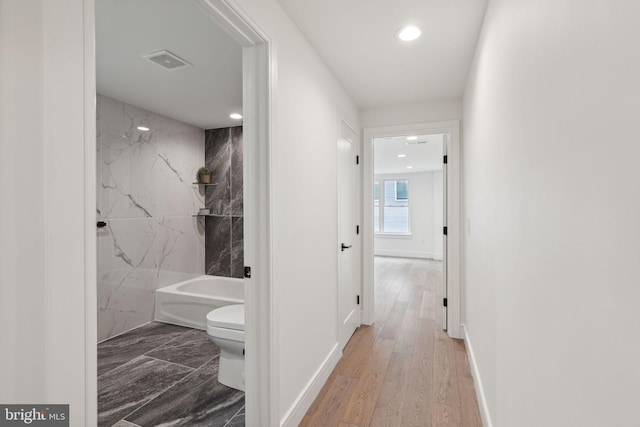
<point>404,254</point>
<point>477,382</point>
<point>301,405</point>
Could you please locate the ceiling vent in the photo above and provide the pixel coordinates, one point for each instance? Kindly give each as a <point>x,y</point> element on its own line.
<point>167,60</point>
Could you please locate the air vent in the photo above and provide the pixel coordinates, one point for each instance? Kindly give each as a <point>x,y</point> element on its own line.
<point>167,60</point>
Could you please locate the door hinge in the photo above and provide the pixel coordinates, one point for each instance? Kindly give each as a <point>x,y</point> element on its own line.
<point>247,272</point>
<point>445,160</point>
<point>444,302</point>
<point>358,299</point>
<point>357,160</point>
<point>357,229</point>
<point>444,230</point>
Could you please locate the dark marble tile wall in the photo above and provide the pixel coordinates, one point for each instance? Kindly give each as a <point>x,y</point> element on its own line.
<point>224,255</point>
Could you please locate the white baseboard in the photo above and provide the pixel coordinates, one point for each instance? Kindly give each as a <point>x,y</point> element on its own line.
<point>403,254</point>
<point>301,405</point>
<point>477,382</point>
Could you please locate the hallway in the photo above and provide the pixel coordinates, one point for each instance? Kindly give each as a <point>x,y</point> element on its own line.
<point>403,370</point>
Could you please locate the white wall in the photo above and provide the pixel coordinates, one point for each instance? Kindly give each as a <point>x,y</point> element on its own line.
<point>423,196</point>
<point>303,172</point>
<point>434,111</point>
<point>42,165</point>
<point>552,260</point>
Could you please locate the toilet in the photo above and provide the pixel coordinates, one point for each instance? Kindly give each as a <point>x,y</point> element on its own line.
<point>225,327</point>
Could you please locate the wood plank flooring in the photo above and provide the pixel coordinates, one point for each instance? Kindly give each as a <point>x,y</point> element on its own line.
<point>404,370</point>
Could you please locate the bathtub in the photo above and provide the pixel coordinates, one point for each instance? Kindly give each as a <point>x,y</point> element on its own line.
<point>187,303</point>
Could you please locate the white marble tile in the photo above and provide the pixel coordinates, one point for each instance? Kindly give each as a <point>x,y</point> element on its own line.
<point>127,244</point>
<point>180,155</point>
<point>112,323</point>
<point>147,197</point>
<point>128,183</point>
<point>178,246</point>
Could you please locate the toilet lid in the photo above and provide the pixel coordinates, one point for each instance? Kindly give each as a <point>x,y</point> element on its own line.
<point>229,316</point>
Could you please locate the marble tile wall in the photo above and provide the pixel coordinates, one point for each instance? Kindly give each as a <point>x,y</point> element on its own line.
<point>147,198</point>
<point>224,254</point>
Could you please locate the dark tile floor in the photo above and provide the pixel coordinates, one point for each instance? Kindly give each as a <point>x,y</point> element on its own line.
<point>160,374</point>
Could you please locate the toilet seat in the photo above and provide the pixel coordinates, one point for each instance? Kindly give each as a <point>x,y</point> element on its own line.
<point>227,317</point>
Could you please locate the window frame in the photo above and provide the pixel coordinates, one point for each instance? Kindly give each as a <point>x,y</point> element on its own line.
<point>381,179</point>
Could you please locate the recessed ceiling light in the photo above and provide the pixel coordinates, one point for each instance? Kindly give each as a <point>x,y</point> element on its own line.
<point>235,116</point>
<point>412,138</point>
<point>409,33</point>
<point>143,128</point>
<point>409,167</point>
<point>402,155</point>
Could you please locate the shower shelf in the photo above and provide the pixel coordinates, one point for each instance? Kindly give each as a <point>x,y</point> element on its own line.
<point>202,183</point>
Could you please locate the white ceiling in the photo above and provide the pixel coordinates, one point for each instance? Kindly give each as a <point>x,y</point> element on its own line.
<point>356,38</point>
<point>424,154</point>
<point>203,95</point>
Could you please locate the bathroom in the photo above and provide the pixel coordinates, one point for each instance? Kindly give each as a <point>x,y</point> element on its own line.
<point>163,236</point>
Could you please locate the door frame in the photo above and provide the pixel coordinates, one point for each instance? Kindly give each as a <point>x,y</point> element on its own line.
<point>452,220</point>
<point>261,334</point>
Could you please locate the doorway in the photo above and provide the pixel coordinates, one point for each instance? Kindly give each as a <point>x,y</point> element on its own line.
<point>398,225</point>
<point>256,81</point>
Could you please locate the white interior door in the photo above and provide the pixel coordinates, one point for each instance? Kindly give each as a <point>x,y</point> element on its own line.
<point>348,287</point>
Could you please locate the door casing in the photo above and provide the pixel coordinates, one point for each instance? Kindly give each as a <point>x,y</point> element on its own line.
<point>261,334</point>
<point>452,220</point>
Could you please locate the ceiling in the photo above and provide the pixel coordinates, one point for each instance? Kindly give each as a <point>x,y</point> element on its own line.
<point>202,95</point>
<point>423,154</point>
<point>356,38</point>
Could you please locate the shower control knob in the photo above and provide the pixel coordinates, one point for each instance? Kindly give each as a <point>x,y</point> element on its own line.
<point>343,247</point>
<point>101,224</point>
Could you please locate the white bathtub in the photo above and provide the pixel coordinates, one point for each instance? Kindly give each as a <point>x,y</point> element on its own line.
<point>187,303</point>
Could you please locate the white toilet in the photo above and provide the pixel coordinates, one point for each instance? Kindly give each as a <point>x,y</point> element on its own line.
<point>225,326</point>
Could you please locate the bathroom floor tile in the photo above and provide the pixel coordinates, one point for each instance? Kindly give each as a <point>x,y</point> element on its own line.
<point>126,347</point>
<point>197,400</point>
<point>237,420</point>
<point>123,423</point>
<point>191,349</point>
<point>127,387</point>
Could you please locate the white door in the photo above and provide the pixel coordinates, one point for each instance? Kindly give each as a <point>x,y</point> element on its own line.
<point>348,287</point>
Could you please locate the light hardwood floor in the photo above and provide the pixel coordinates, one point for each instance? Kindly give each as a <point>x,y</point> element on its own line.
<point>404,370</point>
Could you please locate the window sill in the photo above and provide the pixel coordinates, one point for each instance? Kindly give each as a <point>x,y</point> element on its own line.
<point>393,235</point>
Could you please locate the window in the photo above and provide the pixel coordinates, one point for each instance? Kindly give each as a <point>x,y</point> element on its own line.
<point>391,206</point>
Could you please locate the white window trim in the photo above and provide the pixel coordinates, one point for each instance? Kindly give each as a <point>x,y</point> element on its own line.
<point>393,177</point>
